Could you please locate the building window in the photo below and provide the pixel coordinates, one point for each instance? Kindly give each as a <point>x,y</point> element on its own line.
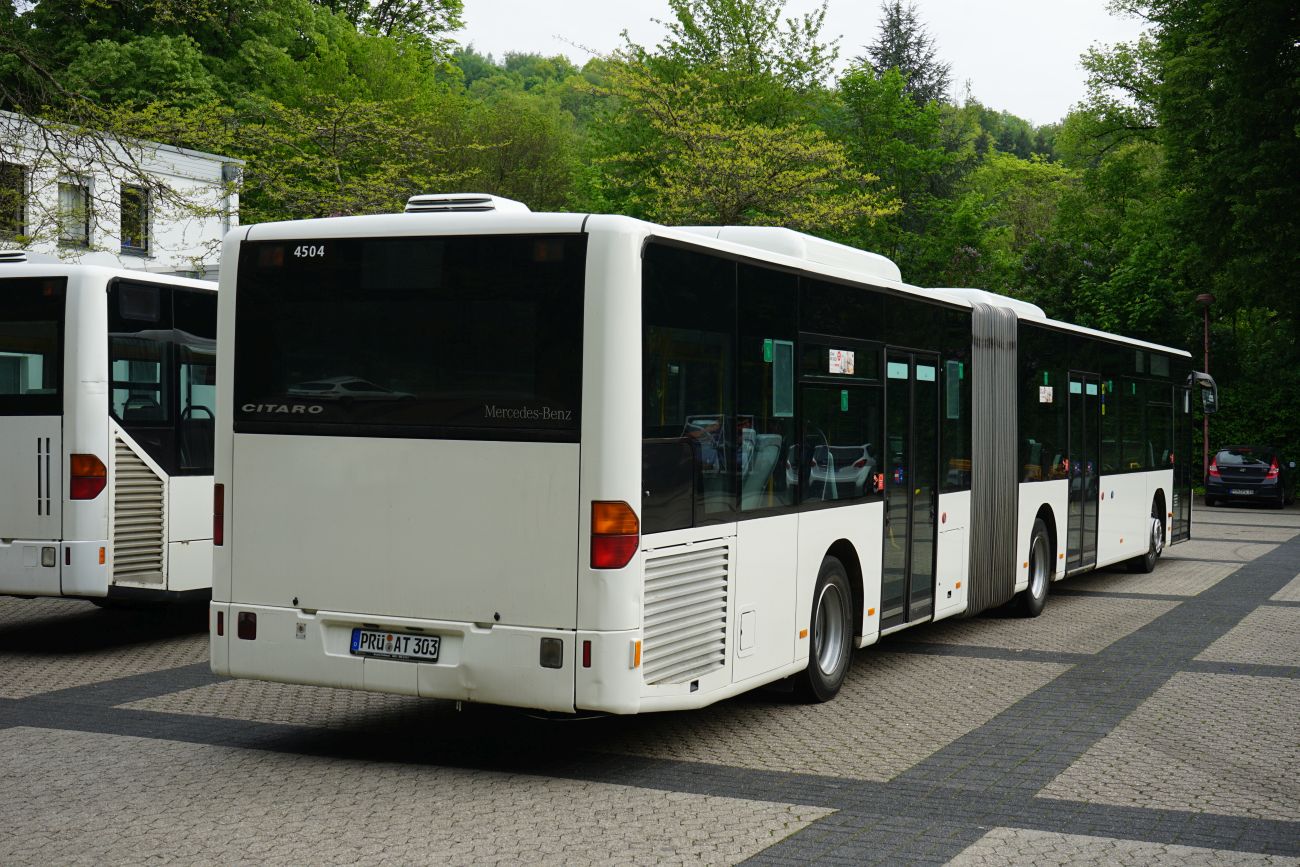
<point>135,220</point>
<point>13,201</point>
<point>74,214</point>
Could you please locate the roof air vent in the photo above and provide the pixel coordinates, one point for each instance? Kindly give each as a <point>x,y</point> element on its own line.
<point>13,256</point>
<point>440,202</point>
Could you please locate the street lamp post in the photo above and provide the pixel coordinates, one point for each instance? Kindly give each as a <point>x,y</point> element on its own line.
<point>1205,299</point>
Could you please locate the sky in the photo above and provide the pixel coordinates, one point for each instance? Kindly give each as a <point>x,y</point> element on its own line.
<point>1020,56</point>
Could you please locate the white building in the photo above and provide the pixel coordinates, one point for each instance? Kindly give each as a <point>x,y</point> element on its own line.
<point>85,196</point>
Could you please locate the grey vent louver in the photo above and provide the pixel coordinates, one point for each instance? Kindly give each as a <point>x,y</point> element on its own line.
<point>138,526</point>
<point>685,612</point>
<point>461,202</point>
<point>13,256</point>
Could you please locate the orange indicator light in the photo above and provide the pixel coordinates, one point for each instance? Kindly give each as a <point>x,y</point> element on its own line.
<point>101,556</point>
<point>636,654</point>
<point>803,633</point>
<point>871,612</point>
<point>958,585</point>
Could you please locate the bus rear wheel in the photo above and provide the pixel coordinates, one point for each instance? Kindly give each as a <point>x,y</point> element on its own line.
<point>830,634</point>
<point>1032,599</point>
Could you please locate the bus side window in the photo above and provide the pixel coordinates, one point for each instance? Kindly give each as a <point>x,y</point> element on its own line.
<point>688,366</point>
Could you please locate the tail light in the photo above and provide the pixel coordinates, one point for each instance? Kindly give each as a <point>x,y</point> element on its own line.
<point>218,514</point>
<point>1273,470</point>
<point>859,463</point>
<point>1214,469</point>
<point>615,534</point>
<point>88,478</point>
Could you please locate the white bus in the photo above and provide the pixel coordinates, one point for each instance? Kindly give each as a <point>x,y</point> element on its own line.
<point>107,391</point>
<point>586,463</point>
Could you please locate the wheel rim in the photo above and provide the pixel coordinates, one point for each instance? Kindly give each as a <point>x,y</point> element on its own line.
<point>1038,568</point>
<point>1157,535</point>
<point>828,642</point>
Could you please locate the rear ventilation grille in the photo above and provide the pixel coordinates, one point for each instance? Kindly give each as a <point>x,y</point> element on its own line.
<point>685,612</point>
<point>137,519</point>
<point>439,203</point>
<point>13,256</point>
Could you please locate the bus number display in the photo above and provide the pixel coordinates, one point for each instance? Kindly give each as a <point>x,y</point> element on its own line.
<point>309,251</point>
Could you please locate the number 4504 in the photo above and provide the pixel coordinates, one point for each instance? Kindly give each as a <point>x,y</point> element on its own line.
<point>309,251</point>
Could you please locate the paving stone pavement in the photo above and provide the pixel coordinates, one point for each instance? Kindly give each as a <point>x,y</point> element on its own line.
<point>1143,719</point>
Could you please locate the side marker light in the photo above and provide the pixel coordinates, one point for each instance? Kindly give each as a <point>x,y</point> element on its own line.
<point>803,633</point>
<point>636,654</point>
<point>246,626</point>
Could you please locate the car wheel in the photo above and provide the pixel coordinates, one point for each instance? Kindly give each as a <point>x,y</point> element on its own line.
<point>1031,600</point>
<point>830,634</point>
<point>1209,501</point>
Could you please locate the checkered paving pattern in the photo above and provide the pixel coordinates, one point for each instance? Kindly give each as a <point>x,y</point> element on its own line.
<point>1015,846</point>
<point>1142,719</point>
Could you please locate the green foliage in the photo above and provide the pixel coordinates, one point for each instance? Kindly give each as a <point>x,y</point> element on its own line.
<point>701,160</point>
<point>718,126</point>
<point>745,39</point>
<point>1176,175</point>
<point>903,44</point>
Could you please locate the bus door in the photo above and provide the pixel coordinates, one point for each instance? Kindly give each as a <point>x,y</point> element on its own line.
<point>1183,462</point>
<point>1084,471</point>
<point>911,486</point>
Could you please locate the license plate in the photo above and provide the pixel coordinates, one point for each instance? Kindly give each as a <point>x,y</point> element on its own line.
<point>1241,492</point>
<point>395,645</point>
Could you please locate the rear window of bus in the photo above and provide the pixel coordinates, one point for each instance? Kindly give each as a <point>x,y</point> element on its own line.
<point>31,345</point>
<point>468,337</point>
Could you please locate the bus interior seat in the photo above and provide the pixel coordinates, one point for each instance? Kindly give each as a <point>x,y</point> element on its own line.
<point>198,440</point>
<point>767,452</point>
<point>141,409</point>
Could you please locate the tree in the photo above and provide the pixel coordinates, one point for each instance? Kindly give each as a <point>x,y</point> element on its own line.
<point>745,37</point>
<point>904,44</point>
<point>714,127</point>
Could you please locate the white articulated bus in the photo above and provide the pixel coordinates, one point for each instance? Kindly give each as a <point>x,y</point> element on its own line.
<point>107,394</point>
<point>586,463</point>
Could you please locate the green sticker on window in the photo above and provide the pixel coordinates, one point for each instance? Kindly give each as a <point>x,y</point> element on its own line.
<point>844,400</point>
<point>767,350</point>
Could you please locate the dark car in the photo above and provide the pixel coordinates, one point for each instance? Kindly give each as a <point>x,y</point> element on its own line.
<point>1256,474</point>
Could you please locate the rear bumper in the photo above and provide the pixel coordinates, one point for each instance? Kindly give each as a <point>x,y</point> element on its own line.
<point>77,569</point>
<point>492,665</point>
<point>1257,492</point>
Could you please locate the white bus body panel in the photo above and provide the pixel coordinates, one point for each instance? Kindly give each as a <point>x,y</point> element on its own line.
<point>31,507</point>
<point>952,557</point>
<point>610,599</point>
<point>1123,526</point>
<point>862,526</point>
<point>471,532</point>
<point>765,635</point>
<point>189,533</point>
<point>1032,496</point>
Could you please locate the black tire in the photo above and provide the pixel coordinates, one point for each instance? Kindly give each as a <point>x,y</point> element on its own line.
<point>1146,563</point>
<point>1209,501</point>
<point>1031,600</point>
<point>830,635</point>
